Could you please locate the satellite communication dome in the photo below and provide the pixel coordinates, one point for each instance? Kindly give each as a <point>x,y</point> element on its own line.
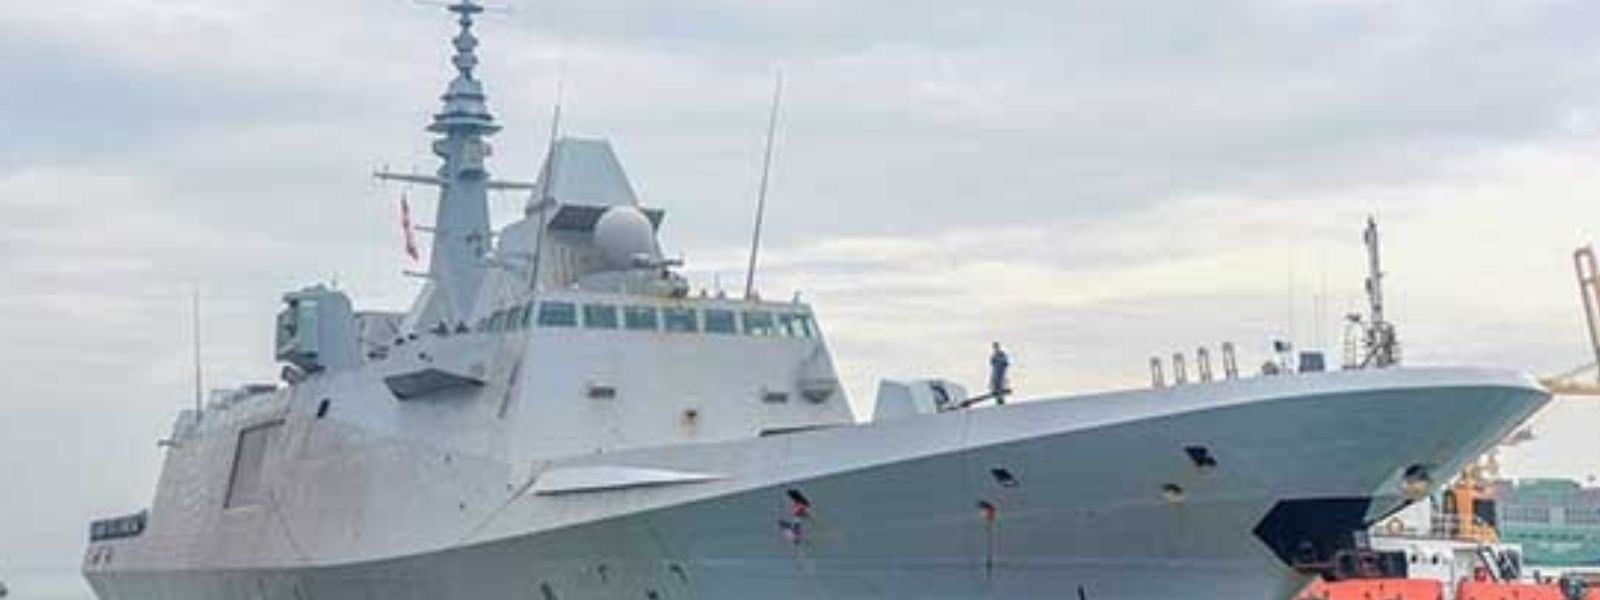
<point>623,234</point>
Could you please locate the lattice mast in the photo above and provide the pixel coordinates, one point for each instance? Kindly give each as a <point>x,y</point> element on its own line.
<point>1375,343</point>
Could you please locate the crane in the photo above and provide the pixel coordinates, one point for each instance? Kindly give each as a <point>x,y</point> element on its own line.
<point>1476,482</point>
<point>1583,380</point>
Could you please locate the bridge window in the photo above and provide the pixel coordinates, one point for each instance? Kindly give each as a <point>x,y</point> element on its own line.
<point>720,321</point>
<point>681,320</point>
<point>673,319</point>
<point>795,326</point>
<point>758,323</point>
<point>599,316</point>
<point>640,318</point>
<point>558,314</point>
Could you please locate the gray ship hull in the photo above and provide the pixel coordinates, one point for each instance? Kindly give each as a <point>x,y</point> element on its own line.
<point>1093,497</point>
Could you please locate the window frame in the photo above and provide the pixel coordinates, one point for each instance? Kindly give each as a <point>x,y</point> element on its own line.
<point>669,314</point>
<point>747,322</point>
<point>632,310</point>
<point>548,311</point>
<point>795,325</point>
<point>525,315</point>
<point>589,310</point>
<point>711,315</point>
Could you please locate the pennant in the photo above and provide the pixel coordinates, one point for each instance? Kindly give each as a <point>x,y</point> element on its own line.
<point>405,223</point>
<point>799,505</point>
<point>987,511</point>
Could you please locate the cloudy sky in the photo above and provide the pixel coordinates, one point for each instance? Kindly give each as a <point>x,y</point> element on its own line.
<point>1091,182</point>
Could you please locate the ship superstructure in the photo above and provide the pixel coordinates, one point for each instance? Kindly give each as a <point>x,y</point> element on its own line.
<point>558,417</point>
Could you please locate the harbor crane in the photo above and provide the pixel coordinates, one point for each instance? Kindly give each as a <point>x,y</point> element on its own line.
<point>1476,480</point>
<point>1583,380</point>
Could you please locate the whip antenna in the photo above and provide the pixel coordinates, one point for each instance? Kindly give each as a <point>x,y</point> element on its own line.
<point>761,196</point>
<point>555,135</point>
<point>199,383</point>
<point>546,196</point>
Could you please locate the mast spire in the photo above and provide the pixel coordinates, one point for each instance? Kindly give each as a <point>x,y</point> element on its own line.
<point>465,107</point>
<point>462,235</point>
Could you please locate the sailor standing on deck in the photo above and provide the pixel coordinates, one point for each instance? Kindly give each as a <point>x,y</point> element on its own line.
<point>998,364</point>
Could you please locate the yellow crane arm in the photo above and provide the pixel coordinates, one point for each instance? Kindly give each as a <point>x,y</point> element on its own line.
<point>1568,387</point>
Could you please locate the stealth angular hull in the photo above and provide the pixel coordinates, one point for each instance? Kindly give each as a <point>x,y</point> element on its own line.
<point>1092,497</point>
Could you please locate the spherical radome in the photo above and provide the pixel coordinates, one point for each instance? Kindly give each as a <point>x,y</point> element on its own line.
<point>622,234</point>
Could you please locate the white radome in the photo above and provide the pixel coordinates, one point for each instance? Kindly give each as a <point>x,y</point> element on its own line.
<point>624,234</point>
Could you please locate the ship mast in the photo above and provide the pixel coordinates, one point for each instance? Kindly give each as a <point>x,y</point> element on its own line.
<point>1382,344</point>
<point>462,234</point>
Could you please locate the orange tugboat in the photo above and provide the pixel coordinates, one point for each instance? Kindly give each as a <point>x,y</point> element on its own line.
<point>1452,554</point>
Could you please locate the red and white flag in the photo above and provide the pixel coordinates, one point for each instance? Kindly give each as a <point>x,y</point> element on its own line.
<point>405,223</point>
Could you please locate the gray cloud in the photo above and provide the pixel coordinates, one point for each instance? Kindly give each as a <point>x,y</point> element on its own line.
<point>895,106</point>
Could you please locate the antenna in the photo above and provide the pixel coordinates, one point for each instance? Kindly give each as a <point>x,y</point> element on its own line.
<point>761,196</point>
<point>1319,306</point>
<point>1290,289</point>
<point>1374,271</point>
<point>199,383</point>
<point>1382,345</point>
<point>468,6</point>
<point>546,195</point>
<point>545,192</point>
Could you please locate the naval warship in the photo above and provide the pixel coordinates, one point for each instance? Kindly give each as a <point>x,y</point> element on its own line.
<point>557,417</point>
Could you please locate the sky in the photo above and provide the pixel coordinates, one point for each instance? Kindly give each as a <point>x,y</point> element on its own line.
<point>1090,182</point>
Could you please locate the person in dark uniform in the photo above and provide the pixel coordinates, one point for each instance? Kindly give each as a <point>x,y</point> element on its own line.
<point>998,364</point>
